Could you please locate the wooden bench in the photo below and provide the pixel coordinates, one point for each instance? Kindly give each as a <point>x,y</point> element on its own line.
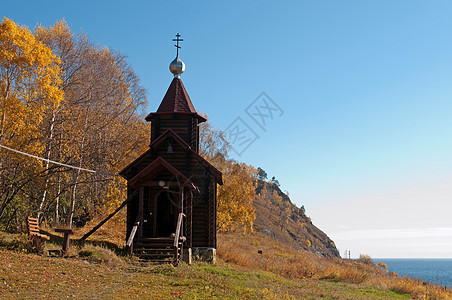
<point>38,239</point>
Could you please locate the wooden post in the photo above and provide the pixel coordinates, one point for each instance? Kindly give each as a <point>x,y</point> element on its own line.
<point>66,240</point>
<point>140,210</point>
<point>189,225</point>
<point>181,250</point>
<point>154,213</point>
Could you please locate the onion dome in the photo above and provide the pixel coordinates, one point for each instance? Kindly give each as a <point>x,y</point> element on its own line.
<point>177,67</point>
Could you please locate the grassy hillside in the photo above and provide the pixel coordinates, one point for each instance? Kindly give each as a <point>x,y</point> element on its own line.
<point>280,272</point>
<point>292,263</point>
<point>26,276</point>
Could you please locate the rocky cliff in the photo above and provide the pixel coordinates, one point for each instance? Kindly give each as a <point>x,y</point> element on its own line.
<point>279,218</point>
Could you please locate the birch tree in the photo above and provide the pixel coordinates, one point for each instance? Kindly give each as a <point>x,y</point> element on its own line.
<point>29,85</point>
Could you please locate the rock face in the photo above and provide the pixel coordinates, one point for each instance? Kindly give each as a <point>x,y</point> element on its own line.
<point>280,219</point>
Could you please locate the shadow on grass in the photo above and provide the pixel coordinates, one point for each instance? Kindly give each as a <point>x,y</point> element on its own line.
<point>20,242</point>
<point>56,239</point>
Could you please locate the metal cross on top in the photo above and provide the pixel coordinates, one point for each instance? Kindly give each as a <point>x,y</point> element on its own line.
<point>177,39</point>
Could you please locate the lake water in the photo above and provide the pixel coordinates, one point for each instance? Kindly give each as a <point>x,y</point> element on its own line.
<point>426,269</point>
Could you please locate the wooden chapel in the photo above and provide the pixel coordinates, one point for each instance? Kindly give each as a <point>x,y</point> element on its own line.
<point>172,188</point>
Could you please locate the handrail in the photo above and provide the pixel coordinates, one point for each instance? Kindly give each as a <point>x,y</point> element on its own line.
<point>177,239</point>
<point>132,235</point>
<point>178,229</point>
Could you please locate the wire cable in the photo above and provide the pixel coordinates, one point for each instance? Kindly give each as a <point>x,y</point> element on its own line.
<point>57,163</point>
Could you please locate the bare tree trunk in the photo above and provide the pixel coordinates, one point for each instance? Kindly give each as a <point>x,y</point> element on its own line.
<point>77,176</point>
<point>73,195</point>
<point>5,96</point>
<point>57,201</point>
<point>47,163</point>
<point>2,124</point>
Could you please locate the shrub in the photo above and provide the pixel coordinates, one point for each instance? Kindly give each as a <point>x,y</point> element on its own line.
<point>21,243</point>
<point>100,255</point>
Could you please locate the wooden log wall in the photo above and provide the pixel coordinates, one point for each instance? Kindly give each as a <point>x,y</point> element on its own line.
<point>200,208</point>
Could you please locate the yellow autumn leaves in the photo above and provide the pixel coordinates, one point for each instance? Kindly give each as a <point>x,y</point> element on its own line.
<point>235,197</point>
<point>29,82</point>
<point>66,99</point>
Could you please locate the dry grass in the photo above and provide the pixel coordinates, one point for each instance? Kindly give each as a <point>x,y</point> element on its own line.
<point>29,276</point>
<point>289,262</point>
<point>113,232</point>
<point>280,272</point>
<point>101,255</point>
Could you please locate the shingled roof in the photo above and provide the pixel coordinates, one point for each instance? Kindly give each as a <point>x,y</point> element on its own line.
<point>176,100</point>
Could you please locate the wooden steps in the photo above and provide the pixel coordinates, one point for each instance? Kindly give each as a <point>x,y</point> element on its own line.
<point>158,250</point>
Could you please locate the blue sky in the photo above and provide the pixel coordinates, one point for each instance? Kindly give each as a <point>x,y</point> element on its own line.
<point>364,141</point>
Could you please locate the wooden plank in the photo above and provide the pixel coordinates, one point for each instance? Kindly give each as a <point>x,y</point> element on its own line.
<point>132,234</point>
<point>179,224</point>
<point>169,256</point>
<point>43,236</point>
<point>153,246</point>
<point>64,230</point>
<point>155,240</point>
<point>33,229</point>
